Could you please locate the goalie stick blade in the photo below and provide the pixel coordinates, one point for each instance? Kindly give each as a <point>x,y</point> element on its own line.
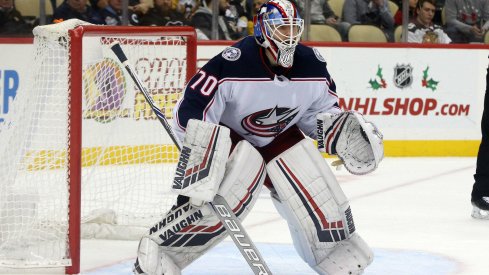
<point>239,236</point>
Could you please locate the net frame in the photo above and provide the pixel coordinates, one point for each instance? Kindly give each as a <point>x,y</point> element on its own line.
<point>74,161</point>
<point>75,112</point>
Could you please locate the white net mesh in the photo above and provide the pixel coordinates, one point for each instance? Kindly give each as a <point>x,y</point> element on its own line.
<point>127,157</point>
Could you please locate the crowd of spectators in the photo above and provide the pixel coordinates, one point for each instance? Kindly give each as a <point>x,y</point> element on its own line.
<point>445,21</point>
<point>12,23</point>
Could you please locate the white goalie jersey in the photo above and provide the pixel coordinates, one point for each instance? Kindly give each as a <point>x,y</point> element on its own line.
<point>239,90</point>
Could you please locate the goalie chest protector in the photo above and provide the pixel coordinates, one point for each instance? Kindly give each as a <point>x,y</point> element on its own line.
<point>238,88</point>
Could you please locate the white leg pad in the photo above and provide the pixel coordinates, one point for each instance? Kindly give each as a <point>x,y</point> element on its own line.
<point>317,212</point>
<point>187,232</point>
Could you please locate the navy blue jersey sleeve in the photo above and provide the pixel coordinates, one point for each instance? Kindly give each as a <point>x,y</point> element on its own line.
<point>198,95</point>
<point>201,99</point>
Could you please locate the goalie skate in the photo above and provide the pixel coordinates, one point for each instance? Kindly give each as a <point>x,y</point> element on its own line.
<point>153,261</point>
<point>480,208</point>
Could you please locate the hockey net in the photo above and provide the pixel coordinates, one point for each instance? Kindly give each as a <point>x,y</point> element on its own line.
<point>81,144</point>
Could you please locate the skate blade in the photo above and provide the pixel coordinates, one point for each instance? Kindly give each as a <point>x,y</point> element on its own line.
<point>478,213</point>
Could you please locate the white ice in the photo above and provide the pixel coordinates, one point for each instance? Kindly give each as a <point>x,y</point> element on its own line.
<point>414,213</point>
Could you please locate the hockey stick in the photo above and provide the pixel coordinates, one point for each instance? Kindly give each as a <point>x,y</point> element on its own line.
<point>221,208</point>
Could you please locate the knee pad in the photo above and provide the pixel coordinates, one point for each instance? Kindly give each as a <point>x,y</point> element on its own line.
<point>187,231</point>
<point>317,211</point>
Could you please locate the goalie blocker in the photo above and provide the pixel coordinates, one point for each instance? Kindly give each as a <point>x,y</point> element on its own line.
<point>201,166</point>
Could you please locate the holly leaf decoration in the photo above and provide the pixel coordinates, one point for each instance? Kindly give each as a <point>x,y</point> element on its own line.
<point>429,83</point>
<point>374,84</point>
<point>379,72</point>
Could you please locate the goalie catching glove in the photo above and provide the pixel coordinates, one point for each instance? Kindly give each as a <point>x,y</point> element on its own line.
<point>202,161</point>
<point>358,143</point>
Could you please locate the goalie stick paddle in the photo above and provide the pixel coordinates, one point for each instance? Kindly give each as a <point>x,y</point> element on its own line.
<point>221,208</point>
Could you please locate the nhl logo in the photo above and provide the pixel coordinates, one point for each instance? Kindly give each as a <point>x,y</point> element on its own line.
<point>231,53</point>
<point>403,76</point>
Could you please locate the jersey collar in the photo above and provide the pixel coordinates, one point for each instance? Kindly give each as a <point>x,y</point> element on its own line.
<point>272,70</point>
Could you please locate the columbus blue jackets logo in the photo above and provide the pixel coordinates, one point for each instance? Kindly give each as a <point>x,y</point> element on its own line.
<point>231,53</point>
<point>270,122</point>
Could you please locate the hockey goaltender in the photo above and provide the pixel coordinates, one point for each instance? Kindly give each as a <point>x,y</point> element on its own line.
<point>243,122</point>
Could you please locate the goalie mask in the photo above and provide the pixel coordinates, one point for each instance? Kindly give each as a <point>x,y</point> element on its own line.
<point>278,28</point>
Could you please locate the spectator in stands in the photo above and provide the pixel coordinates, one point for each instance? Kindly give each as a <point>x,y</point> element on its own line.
<point>370,12</point>
<point>322,14</point>
<point>236,12</point>
<point>139,7</point>
<point>112,14</point>
<point>422,29</point>
<point>229,26</point>
<point>249,9</point>
<point>187,7</point>
<point>253,10</point>
<point>467,21</point>
<point>412,12</point>
<point>11,21</point>
<point>164,13</point>
<point>77,9</point>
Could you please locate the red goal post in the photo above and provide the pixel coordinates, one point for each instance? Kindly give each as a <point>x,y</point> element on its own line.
<point>90,147</point>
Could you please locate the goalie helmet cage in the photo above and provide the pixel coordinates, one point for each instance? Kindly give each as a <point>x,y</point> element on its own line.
<point>80,147</point>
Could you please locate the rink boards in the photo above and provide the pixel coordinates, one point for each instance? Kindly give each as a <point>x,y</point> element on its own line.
<point>426,101</point>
